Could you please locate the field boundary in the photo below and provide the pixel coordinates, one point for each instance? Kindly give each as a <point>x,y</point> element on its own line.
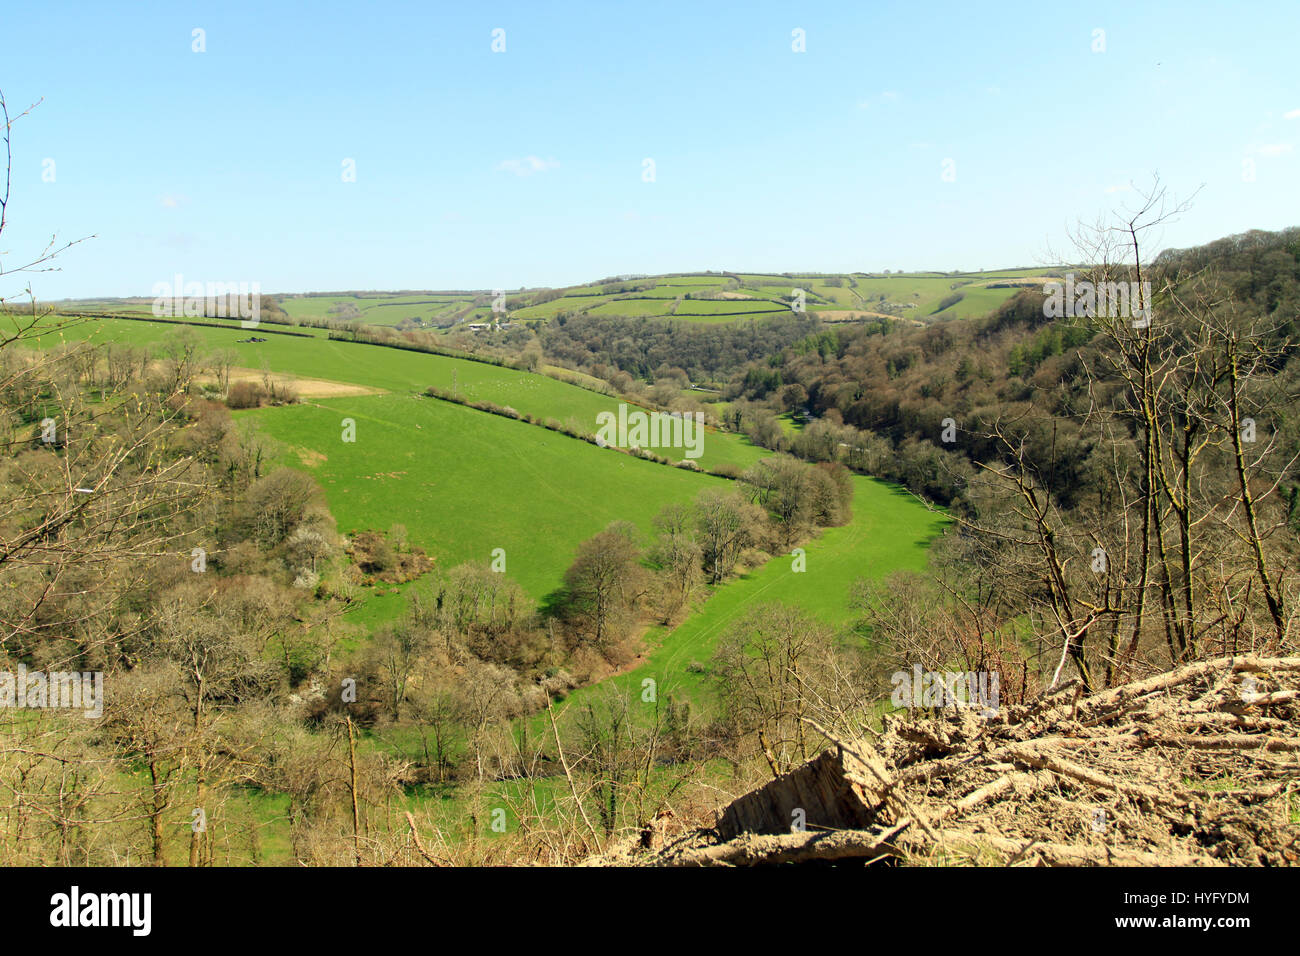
<point>202,325</point>
<point>492,408</point>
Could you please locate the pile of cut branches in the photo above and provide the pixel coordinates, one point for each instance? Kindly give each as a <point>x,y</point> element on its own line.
<point>1196,766</point>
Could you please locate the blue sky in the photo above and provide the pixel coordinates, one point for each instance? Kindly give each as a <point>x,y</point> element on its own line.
<point>477,169</point>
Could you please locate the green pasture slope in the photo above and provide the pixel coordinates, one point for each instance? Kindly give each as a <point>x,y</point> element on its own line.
<point>891,530</point>
<point>914,295</point>
<point>396,370</point>
<point>432,308</point>
<point>464,482</point>
<point>909,295</point>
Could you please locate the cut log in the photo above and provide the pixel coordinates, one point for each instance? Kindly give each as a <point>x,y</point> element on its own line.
<point>751,850</point>
<point>835,791</point>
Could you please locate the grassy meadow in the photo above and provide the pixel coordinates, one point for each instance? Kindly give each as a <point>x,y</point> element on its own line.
<point>465,482</point>
<point>716,297</point>
<point>890,530</point>
<point>396,370</point>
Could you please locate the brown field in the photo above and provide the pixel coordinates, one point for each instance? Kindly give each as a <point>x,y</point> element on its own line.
<point>304,387</point>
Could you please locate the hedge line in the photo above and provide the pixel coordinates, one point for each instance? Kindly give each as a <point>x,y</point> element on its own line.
<point>728,470</point>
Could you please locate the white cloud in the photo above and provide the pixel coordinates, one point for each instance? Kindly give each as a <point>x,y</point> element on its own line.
<point>526,166</point>
<point>1274,149</point>
<point>1292,114</point>
<point>1110,190</point>
<point>170,201</point>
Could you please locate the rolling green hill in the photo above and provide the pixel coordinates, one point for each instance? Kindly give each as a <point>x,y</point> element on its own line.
<point>465,482</point>
<point>462,481</point>
<point>689,297</point>
<point>395,370</point>
<point>891,530</point>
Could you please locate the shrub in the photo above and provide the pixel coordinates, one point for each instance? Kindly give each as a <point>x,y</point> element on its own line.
<point>245,395</point>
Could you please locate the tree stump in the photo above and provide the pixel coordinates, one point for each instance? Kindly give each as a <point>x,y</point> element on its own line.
<point>834,791</point>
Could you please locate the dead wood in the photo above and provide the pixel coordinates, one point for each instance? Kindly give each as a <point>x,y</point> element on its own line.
<point>1196,766</point>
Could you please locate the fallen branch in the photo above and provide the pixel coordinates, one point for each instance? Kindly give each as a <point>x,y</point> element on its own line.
<point>754,850</point>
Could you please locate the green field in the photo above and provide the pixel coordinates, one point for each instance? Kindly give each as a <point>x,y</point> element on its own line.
<point>638,307</point>
<point>729,307</point>
<point>464,482</point>
<point>913,295</point>
<point>431,308</point>
<point>550,309</point>
<point>891,530</point>
<point>396,370</point>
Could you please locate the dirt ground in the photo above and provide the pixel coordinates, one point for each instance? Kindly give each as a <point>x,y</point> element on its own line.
<point>305,387</point>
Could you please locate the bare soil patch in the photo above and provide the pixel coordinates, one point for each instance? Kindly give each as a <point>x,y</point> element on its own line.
<point>310,457</point>
<point>304,387</point>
